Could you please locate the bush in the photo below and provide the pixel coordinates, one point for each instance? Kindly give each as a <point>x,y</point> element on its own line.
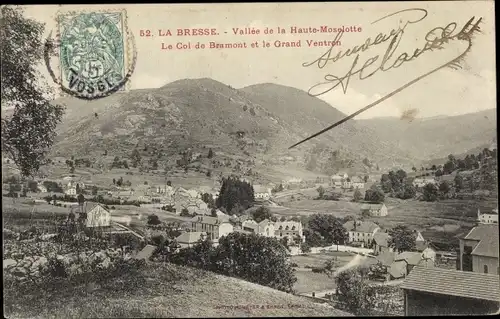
<point>318,269</point>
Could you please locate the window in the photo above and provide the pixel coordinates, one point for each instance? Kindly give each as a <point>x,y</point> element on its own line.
<point>485,269</point>
<point>281,234</point>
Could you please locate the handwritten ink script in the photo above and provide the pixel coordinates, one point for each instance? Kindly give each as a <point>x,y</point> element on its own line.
<point>436,38</point>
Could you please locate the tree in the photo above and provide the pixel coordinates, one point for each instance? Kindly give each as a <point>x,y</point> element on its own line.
<point>365,178</point>
<point>210,153</point>
<point>321,192</point>
<point>250,256</point>
<point>261,214</point>
<point>444,188</point>
<point>357,195</point>
<point>355,292</point>
<point>153,220</point>
<point>459,182</point>
<point>430,193</point>
<point>28,134</point>
<point>119,182</point>
<point>402,239</point>
<point>374,195</point>
<point>94,190</point>
<point>33,186</point>
<point>235,192</point>
<point>329,228</point>
<point>414,169</point>
<point>305,248</point>
<point>135,158</point>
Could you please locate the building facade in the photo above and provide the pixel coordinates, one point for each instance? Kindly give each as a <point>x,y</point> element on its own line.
<point>214,227</point>
<point>97,216</point>
<point>289,229</point>
<point>378,210</point>
<point>479,250</point>
<point>361,231</point>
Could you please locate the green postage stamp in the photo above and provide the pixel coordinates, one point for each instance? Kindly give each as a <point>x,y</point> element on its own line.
<point>93,53</point>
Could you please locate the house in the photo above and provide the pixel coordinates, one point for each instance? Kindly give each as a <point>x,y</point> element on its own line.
<point>479,250</point>
<point>422,181</point>
<point>347,183</point>
<point>97,216</point>
<point>43,189</point>
<point>289,229</point>
<point>264,228</point>
<point>412,259</point>
<point>381,242</point>
<point>164,189</point>
<point>487,218</point>
<point>361,231</point>
<point>374,209</point>
<point>336,180</point>
<point>436,291</point>
<point>429,254</point>
<point>70,191</point>
<point>420,242</point>
<point>357,183</point>
<point>213,226</point>
<point>343,175</point>
<point>261,192</point>
<point>189,239</point>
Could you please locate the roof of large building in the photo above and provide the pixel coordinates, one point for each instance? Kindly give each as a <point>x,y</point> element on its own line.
<point>381,239</point>
<point>487,235</point>
<point>260,189</point>
<point>361,226</point>
<point>292,225</point>
<point>411,257</point>
<point>465,284</point>
<point>386,258</point>
<point>209,220</point>
<point>190,237</point>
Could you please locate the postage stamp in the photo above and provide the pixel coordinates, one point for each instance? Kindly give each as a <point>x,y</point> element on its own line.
<point>94,53</point>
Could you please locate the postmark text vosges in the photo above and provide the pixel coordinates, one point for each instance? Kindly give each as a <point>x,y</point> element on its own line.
<point>92,55</point>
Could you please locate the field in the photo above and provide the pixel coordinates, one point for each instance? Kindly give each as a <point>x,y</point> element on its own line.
<point>166,291</point>
<point>439,221</point>
<point>308,281</point>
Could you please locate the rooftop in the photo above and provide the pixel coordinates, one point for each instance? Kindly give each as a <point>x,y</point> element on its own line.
<point>209,220</point>
<point>412,258</point>
<point>381,239</point>
<point>364,227</point>
<point>487,235</point>
<point>189,237</point>
<point>465,284</point>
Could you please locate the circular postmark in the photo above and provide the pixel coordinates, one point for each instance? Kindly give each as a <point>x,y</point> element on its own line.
<point>96,53</point>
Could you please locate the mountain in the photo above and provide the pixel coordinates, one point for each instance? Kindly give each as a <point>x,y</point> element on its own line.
<point>255,126</point>
<point>432,138</point>
<point>257,122</point>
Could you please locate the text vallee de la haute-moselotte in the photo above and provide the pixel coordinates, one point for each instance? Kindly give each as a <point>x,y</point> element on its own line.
<point>248,31</point>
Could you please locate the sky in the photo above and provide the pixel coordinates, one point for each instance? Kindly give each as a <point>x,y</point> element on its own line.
<point>445,92</point>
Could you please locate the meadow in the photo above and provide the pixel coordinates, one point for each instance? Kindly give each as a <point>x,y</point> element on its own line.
<point>308,281</point>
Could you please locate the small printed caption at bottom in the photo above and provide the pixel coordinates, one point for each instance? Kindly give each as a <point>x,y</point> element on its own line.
<point>286,306</point>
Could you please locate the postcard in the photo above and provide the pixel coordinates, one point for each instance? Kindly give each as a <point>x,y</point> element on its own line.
<point>249,160</point>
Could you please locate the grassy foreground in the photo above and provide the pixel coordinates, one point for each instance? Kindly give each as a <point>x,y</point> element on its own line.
<point>166,290</point>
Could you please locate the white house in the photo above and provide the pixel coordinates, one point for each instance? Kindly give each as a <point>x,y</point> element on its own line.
<point>98,216</point>
<point>214,227</point>
<point>361,231</point>
<point>379,210</point>
<point>289,229</point>
<point>421,182</point>
<point>261,192</point>
<point>41,188</point>
<point>357,183</point>
<point>264,228</point>
<point>70,191</point>
<point>488,218</point>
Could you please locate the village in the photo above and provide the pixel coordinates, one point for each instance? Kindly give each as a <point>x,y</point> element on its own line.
<point>193,217</point>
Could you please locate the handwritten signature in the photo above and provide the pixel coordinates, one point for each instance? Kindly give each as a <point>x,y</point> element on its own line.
<point>435,39</point>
